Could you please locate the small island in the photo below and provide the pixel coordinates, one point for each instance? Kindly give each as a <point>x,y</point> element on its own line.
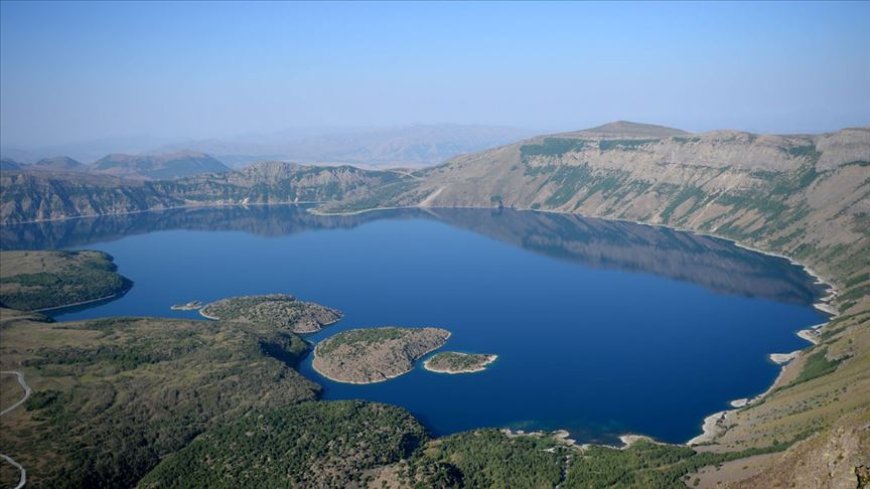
<point>188,306</point>
<point>273,312</point>
<point>454,362</point>
<point>365,356</point>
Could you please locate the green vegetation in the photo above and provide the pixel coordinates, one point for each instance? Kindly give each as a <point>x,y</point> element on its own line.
<point>317,444</point>
<point>491,458</point>
<point>570,179</point>
<point>808,151</point>
<point>817,364</point>
<point>386,195</point>
<point>551,147</point>
<point>488,459</point>
<point>274,311</point>
<point>456,362</point>
<point>360,336</point>
<point>624,144</point>
<point>127,392</point>
<point>363,356</point>
<point>559,146</point>
<point>33,280</point>
<point>684,195</point>
<point>646,465</point>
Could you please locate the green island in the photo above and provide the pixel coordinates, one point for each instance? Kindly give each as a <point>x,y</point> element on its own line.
<point>279,311</point>
<point>365,356</point>
<point>454,362</point>
<point>41,280</point>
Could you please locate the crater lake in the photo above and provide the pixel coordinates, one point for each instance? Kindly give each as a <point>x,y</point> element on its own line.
<point>601,328</point>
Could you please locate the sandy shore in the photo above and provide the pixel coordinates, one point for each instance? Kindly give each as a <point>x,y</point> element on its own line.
<point>710,428</point>
<point>739,403</point>
<point>811,335</point>
<point>783,358</point>
<point>189,306</point>
<point>203,314</point>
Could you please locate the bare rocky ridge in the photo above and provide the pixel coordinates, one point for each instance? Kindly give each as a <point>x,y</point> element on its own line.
<point>365,356</point>
<point>795,195</point>
<point>38,196</point>
<point>273,312</point>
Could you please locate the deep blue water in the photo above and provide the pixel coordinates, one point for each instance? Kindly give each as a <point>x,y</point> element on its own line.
<point>601,328</point>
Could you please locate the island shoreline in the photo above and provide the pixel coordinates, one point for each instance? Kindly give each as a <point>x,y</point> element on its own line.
<point>386,378</point>
<point>823,304</point>
<point>490,359</point>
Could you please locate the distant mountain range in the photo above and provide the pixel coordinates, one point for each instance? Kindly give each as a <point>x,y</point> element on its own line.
<point>157,167</point>
<point>412,146</point>
<point>782,192</point>
<point>400,146</point>
<point>136,167</point>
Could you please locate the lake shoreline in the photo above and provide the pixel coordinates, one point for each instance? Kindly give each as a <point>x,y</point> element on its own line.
<point>83,303</point>
<point>378,381</point>
<point>823,304</point>
<point>709,428</point>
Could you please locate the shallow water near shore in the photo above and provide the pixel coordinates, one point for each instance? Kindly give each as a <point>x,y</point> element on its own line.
<point>600,328</point>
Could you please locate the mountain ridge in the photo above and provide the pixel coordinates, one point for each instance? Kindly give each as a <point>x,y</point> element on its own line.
<point>160,166</point>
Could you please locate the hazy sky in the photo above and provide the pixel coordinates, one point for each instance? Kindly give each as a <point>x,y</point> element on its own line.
<point>73,71</point>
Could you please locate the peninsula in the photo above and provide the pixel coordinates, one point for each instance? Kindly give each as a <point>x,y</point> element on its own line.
<point>43,280</point>
<point>454,362</point>
<point>273,311</point>
<point>365,356</point>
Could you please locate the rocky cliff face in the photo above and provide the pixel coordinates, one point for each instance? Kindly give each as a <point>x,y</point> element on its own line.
<point>39,196</point>
<point>798,195</point>
<point>807,197</point>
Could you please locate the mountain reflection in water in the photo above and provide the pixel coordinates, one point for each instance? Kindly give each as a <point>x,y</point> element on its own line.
<point>711,262</point>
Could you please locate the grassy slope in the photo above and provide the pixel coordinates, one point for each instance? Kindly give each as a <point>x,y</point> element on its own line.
<point>315,444</point>
<point>31,280</point>
<point>111,397</point>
